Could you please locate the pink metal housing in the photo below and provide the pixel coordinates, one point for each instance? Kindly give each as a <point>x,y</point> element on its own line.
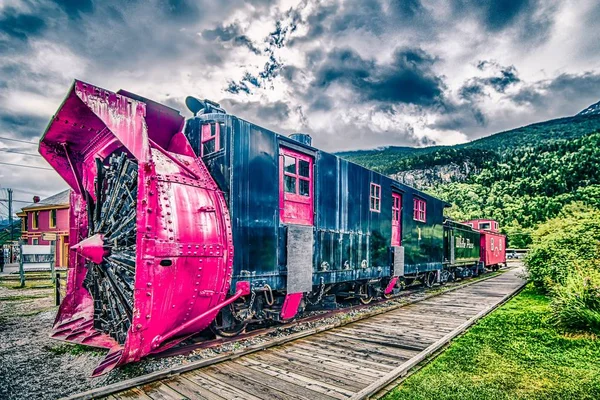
<point>182,217</point>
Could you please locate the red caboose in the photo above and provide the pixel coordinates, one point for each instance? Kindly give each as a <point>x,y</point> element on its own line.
<point>492,243</point>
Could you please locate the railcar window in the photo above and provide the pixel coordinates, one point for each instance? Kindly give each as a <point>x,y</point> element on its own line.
<point>290,164</point>
<point>212,136</point>
<point>303,168</point>
<point>484,225</point>
<point>375,204</point>
<point>396,209</point>
<point>492,243</point>
<point>290,184</point>
<point>419,210</point>
<point>296,176</point>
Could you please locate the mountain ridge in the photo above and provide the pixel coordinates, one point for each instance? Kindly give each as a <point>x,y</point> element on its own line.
<point>594,109</point>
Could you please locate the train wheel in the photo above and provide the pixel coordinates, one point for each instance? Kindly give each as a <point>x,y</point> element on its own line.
<point>429,280</point>
<point>364,289</point>
<point>226,325</point>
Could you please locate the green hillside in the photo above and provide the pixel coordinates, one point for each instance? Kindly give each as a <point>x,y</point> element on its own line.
<point>5,232</point>
<point>522,177</point>
<point>390,160</point>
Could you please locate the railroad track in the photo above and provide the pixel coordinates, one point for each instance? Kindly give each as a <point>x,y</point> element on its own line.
<point>354,359</point>
<point>199,343</point>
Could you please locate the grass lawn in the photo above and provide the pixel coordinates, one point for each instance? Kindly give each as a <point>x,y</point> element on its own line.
<point>513,353</point>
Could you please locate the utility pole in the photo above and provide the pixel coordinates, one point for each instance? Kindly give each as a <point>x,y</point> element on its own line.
<point>10,214</point>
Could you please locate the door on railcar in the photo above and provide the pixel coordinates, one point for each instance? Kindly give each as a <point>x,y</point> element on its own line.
<point>296,195</point>
<point>396,219</point>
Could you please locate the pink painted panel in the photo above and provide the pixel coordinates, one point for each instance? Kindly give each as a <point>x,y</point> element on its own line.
<point>296,187</point>
<point>396,219</point>
<point>181,216</point>
<point>290,305</point>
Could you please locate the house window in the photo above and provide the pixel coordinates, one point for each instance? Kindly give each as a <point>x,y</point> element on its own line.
<point>212,138</point>
<point>375,204</point>
<point>419,210</point>
<point>24,223</point>
<point>35,222</point>
<point>52,218</point>
<point>34,241</point>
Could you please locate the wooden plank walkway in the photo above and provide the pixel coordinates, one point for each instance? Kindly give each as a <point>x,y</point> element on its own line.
<point>353,361</point>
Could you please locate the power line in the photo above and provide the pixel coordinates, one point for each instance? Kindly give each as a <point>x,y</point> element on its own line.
<point>26,166</point>
<point>20,152</point>
<point>32,202</point>
<point>19,140</point>
<point>26,191</point>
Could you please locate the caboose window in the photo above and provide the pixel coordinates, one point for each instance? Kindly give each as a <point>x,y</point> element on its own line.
<point>484,225</point>
<point>296,186</point>
<point>212,138</point>
<point>296,176</point>
<point>290,184</point>
<point>419,210</point>
<point>375,204</point>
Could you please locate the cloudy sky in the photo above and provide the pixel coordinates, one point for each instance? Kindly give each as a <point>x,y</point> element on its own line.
<point>354,74</point>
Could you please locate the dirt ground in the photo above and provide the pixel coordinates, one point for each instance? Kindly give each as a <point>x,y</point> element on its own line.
<point>34,366</point>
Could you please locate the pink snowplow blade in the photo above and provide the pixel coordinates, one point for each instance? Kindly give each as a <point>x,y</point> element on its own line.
<point>181,249</point>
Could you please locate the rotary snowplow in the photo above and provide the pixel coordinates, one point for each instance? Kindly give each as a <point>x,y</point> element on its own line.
<point>152,253</point>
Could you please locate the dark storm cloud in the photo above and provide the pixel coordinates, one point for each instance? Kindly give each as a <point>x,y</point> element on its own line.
<point>275,40</point>
<point>75,8</point>
<point>496,14</point>
<point>406,8</point>
<point>566,94</point>
<point>26,127</point>
<point>230,33</point>
<point>502,78</point>
<point>268,115</point>
<point>457,117</point>
<point>20,26</point>
<point>532,20</point>
<point>408,78</point>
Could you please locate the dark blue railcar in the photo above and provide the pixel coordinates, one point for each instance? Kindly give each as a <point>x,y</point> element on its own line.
<point>306,221</point>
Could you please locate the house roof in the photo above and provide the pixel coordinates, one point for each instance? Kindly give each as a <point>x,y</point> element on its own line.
<point>59,199</point>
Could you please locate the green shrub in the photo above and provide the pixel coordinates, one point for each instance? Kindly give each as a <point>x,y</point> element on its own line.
<point>576,304</point>
<point>573,238</point>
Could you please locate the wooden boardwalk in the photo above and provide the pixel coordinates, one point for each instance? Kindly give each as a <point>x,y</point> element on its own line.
<point>353,361</point>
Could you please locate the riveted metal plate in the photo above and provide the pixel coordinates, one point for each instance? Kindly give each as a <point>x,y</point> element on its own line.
<point>300,243</point>
<point>398,260</point>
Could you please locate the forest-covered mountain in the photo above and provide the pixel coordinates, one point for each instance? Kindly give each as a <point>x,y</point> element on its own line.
<point>520,177</point>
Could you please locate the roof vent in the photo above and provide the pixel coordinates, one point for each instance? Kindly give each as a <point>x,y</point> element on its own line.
<point>36,199</point>
<point>302,138</point>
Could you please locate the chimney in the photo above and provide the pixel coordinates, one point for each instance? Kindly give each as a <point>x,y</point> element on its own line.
<point>36,199</point>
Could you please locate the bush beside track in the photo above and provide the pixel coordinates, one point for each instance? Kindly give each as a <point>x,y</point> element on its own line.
<point>564,262</point>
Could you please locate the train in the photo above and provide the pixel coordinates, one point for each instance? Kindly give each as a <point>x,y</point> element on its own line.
<point>212,222</point>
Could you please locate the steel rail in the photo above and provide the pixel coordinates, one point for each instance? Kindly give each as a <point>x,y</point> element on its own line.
<point>179,369</point>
